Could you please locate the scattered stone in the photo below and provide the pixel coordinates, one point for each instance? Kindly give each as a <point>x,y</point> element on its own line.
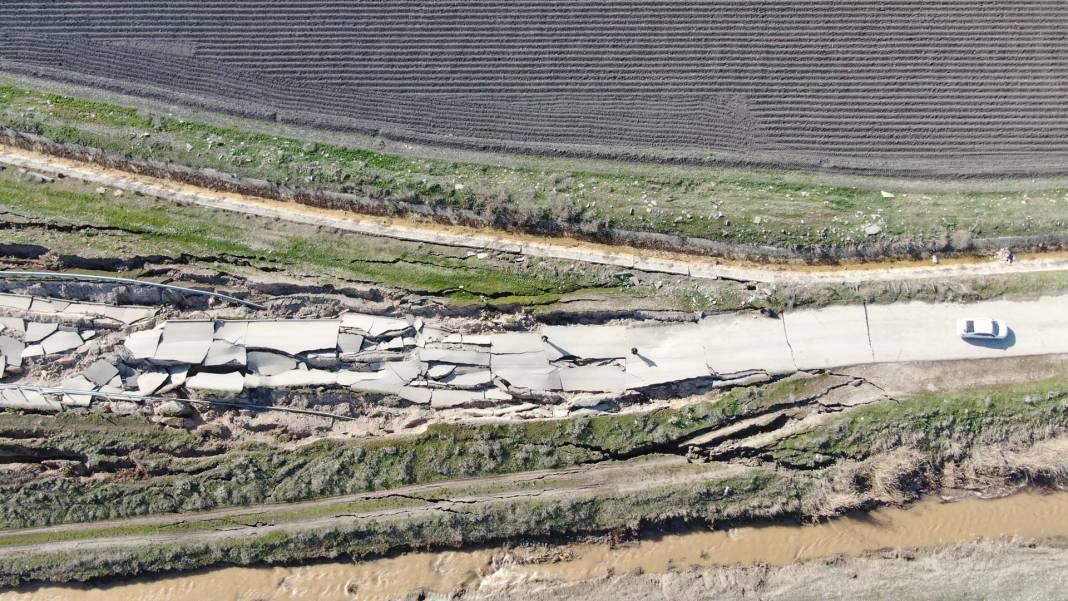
<point>873,229</point>
<point>174,408</point>
<point>886,194</point>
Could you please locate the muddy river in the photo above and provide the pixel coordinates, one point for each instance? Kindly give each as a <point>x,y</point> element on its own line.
<point>926,524</point>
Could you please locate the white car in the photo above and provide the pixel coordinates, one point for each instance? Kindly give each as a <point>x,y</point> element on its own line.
<point>982,329</point>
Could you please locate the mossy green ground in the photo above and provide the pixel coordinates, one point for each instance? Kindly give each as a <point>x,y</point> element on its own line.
<point>791,210</point>
<point>130,226</point>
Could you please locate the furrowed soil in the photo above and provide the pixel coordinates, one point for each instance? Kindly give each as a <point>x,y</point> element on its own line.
<point>912,88</point>
<point>755,214</point>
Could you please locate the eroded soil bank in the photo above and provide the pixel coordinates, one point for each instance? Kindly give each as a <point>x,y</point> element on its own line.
<point>931,526</point>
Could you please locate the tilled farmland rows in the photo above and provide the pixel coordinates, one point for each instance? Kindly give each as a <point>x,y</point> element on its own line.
<point>818,79</point>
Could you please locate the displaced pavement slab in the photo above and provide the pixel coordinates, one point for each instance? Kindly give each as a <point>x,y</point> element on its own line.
<point>234,332</point>
<point>224,353</point>
<point>100,372</point>
<point>515,342</point>
<point>143,345</point>
<point>232,382</point>
<point>78,382</point>
<point>444,399</point>
<point>61,342</point>
<point>36,332</point>
<point>293,378</point>
<point>123,314</point>
<point>16,301</point>
<point>349,344</point>
<point>293,337</point>
<point>15,325</point>
<point>474,379</point>
<point>185,341</point>
<point>151,381</point>
<point>358,321</point>
<point>12,349</point>
<point>268,364</point>
<point>440,355</point>
<point>48,305</point>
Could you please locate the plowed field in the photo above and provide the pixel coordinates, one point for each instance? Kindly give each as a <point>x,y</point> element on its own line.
<point>900,86</point>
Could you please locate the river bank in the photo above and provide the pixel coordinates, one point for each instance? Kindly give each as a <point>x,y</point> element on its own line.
<point>840,558</point>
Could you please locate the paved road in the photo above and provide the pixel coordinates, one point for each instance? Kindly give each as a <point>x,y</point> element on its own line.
<point>823,338</point>
<point>558,248</point>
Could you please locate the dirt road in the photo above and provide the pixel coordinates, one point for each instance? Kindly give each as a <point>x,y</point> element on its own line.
<point>557,248</point>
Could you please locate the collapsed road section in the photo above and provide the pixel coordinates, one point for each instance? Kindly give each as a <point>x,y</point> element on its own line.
<point>426,363</point>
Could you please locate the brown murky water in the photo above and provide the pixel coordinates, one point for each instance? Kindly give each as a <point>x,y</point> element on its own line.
<point>929,523</point>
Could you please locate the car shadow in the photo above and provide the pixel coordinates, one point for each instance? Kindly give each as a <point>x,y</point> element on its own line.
<point>1003,344</point>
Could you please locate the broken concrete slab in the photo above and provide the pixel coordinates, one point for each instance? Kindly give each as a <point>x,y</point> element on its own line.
<point>78,382</point>
<point>349,343</point>
<point>27,400</point>
<point>123,314</point>
<point>593,378</point>
<point>419,396</point>
<point>224,353</point>
<point>143,345</point>
<point>476,379</point>
<point>16,301</point>
<point>446,399</point>
<point>36,331</point>
<point>61,342</point>
<point>440,355</point>
<point>741,342</point>
<point>807,334</point>
<point>665,354</point>
<point>265,363</point>
<point>185,342</point>
<point>440,371</point>
<point>14,325</point>
<point>33,350</point>
<point>405,370</point>
<point>101,373</point>
<point>358,321</point>
<point>293,336</point>
<point>348,378</point>
<point>232,382</point>
<point>151,381</point>
<point>234,332</point>
<point>387,326</point>
<point>293,378</point>
<point>12,349</point>
<point>48,305</point>
<point>517,342</point>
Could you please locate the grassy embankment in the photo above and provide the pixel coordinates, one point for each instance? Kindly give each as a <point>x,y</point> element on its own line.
<point>144,470</point>
<point>790,210</point>
<point>940,427</point>
<point>127,227</point>
<point>71,219</point>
